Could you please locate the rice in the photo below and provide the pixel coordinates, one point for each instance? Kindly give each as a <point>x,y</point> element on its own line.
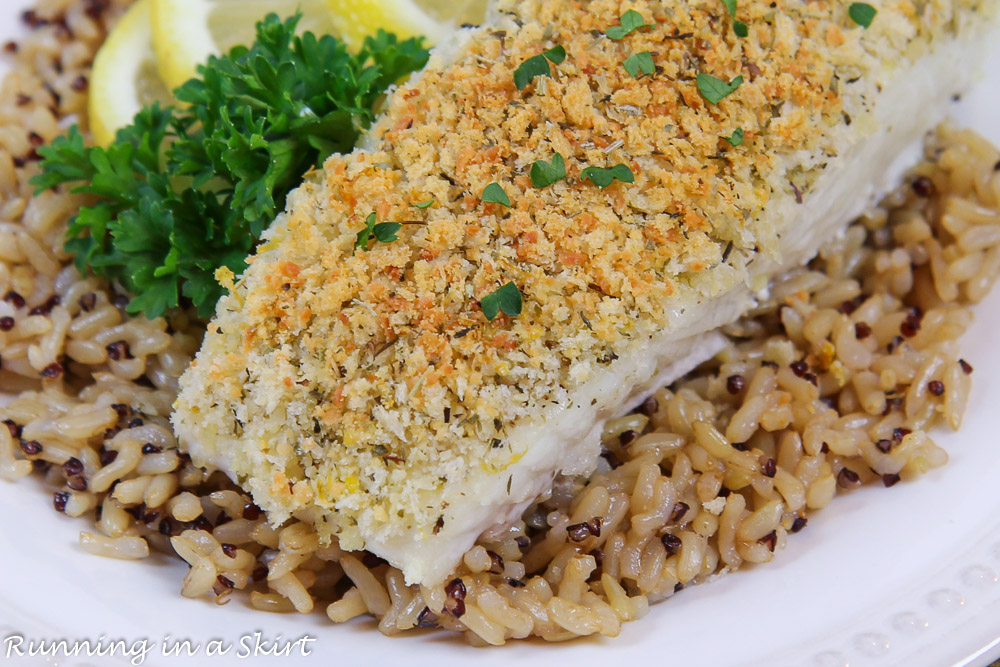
<point>833,382</point>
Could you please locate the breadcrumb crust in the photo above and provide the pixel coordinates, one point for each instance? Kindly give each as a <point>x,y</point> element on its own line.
<point>355,386</point>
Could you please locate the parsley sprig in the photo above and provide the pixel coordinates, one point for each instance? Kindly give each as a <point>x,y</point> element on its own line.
<point>184,191</point>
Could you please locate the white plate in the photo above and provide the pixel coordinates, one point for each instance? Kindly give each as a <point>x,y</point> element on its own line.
<point>907,575</point>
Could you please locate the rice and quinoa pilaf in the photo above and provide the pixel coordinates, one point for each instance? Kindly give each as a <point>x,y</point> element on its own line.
<point>831,384</point>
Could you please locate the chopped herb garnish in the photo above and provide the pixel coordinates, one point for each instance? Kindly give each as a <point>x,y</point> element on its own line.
<point>630,22</point>
<point>602,177</point>
<point>532,67</point>
<point>538,66</point>
<point>186,190</point>
<point>506,299</point>
<point>730,6</point>
<point>424,204</point>
<point>383,232</point>
<point>736,138</point>
<point>862,13</point>
<point>714,90</point>
<point>640,62</point>
<point>544,174</point>
<point>494,194</point>
<point>740,28</point>
<point>556,54</point>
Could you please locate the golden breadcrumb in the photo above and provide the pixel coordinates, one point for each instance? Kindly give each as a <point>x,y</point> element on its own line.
<point>360,385</point>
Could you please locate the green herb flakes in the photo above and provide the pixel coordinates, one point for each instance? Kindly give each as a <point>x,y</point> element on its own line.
<point>506,299</point>
<point>383,232</point>
<point>730,7</point>
<point>740,28</point>
<point>736,138</point>
<point>602,177</point>
<point>494,194</point>
<point>713,89</point>
<point>544,174</point>
<point>555,55</point>
<point>862,13</point>
<point>640,62</point>
<point>424,204</point>
<point>538,66</point>
<point>630,22</point>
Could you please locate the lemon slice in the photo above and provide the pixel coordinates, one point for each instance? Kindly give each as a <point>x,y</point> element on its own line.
<point>124,77</point>
<point>187,32</point>
<point>433,19</point>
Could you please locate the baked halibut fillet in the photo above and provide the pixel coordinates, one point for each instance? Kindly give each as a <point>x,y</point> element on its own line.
<point>363,389</point>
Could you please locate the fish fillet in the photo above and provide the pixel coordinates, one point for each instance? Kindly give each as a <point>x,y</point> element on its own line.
<point>364,390</point>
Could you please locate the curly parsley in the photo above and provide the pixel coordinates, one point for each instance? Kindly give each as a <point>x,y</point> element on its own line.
<point>185,191</point>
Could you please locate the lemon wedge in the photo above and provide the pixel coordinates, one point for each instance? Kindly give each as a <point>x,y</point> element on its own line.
<point>187,32</point>
<point>124,78</point>
<point>433,19</point>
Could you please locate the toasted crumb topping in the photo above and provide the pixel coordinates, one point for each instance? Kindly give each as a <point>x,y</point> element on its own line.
<point>359,384</point>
